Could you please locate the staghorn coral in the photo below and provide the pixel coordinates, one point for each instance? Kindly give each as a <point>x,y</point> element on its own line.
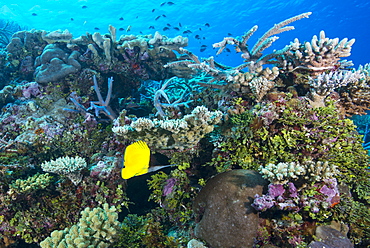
<point>253,58</point>
<point>66,166</point>
<point>172,133</point>
<point>317,56</point>
<point>100,106</point>
<point>208,66</point>
<point>170,102</point>
<point>96,228</point>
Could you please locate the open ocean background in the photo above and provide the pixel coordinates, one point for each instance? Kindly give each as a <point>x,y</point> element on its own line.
<point>208,21</point>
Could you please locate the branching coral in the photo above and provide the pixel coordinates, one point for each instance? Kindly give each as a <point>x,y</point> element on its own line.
<point>33,183</point>
<point>291,171</point>
<point>175,104</point>
<point>96,228</point>
<point>208,65</point>
<point>355,97</point>
<point>326,83</point>
<point>317,56</point>
<point>173,133</point>
<point>67,166</point>
<point>253,58</point>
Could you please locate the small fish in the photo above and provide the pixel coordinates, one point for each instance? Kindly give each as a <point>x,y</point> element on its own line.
<point>180,24</point>
<point>164,15</point>
<point>229,34</point>
<point>128,28</point>
<point>200,29</point>
<point>84,7</point>
<point>151,27</point>
<point>170,3</point>
<point>34,14</point>
<point>121,29</point>
<point>207,24</point>
<point>72,19</point>
<point>157,17</point>
<point>203,48</point>
<point>197,37</point>
<point>121,19</point>
<point>166,28</point>
<point>153,10</point>
<point>176,28</point>
<point>96,28</point>
<point>162,4</point>
<point>168,24</point>
<point>227,50</point>
<point>137,17</point>
<point>187,32</point>
<point>136,160</point>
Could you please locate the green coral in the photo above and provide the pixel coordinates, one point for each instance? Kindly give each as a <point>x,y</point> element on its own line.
<point>96,228</point>
<point>33,183</point>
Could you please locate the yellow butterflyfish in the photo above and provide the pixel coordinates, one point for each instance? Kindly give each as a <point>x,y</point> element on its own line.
<point>136,160</point>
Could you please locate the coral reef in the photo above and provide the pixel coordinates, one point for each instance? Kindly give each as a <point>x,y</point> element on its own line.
<point>280,116</point>
<point>96,228</point>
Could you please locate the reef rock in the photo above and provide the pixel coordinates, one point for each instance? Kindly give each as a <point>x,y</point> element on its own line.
<point>227,218</point>
<point>330,238</point>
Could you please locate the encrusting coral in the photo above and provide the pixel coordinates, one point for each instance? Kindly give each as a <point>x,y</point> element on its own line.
<point>96,228</point>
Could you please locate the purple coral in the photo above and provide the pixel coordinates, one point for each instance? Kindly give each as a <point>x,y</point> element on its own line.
<point>262,203</point>
<point>292,190</point>
<point>168,188</point>
<point>275,190</point>
<point>31,89</point>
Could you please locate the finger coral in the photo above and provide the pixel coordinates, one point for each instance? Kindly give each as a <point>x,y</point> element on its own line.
<point>96,228</point>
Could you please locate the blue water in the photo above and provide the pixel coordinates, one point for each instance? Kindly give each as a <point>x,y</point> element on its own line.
<point>340,19</point>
